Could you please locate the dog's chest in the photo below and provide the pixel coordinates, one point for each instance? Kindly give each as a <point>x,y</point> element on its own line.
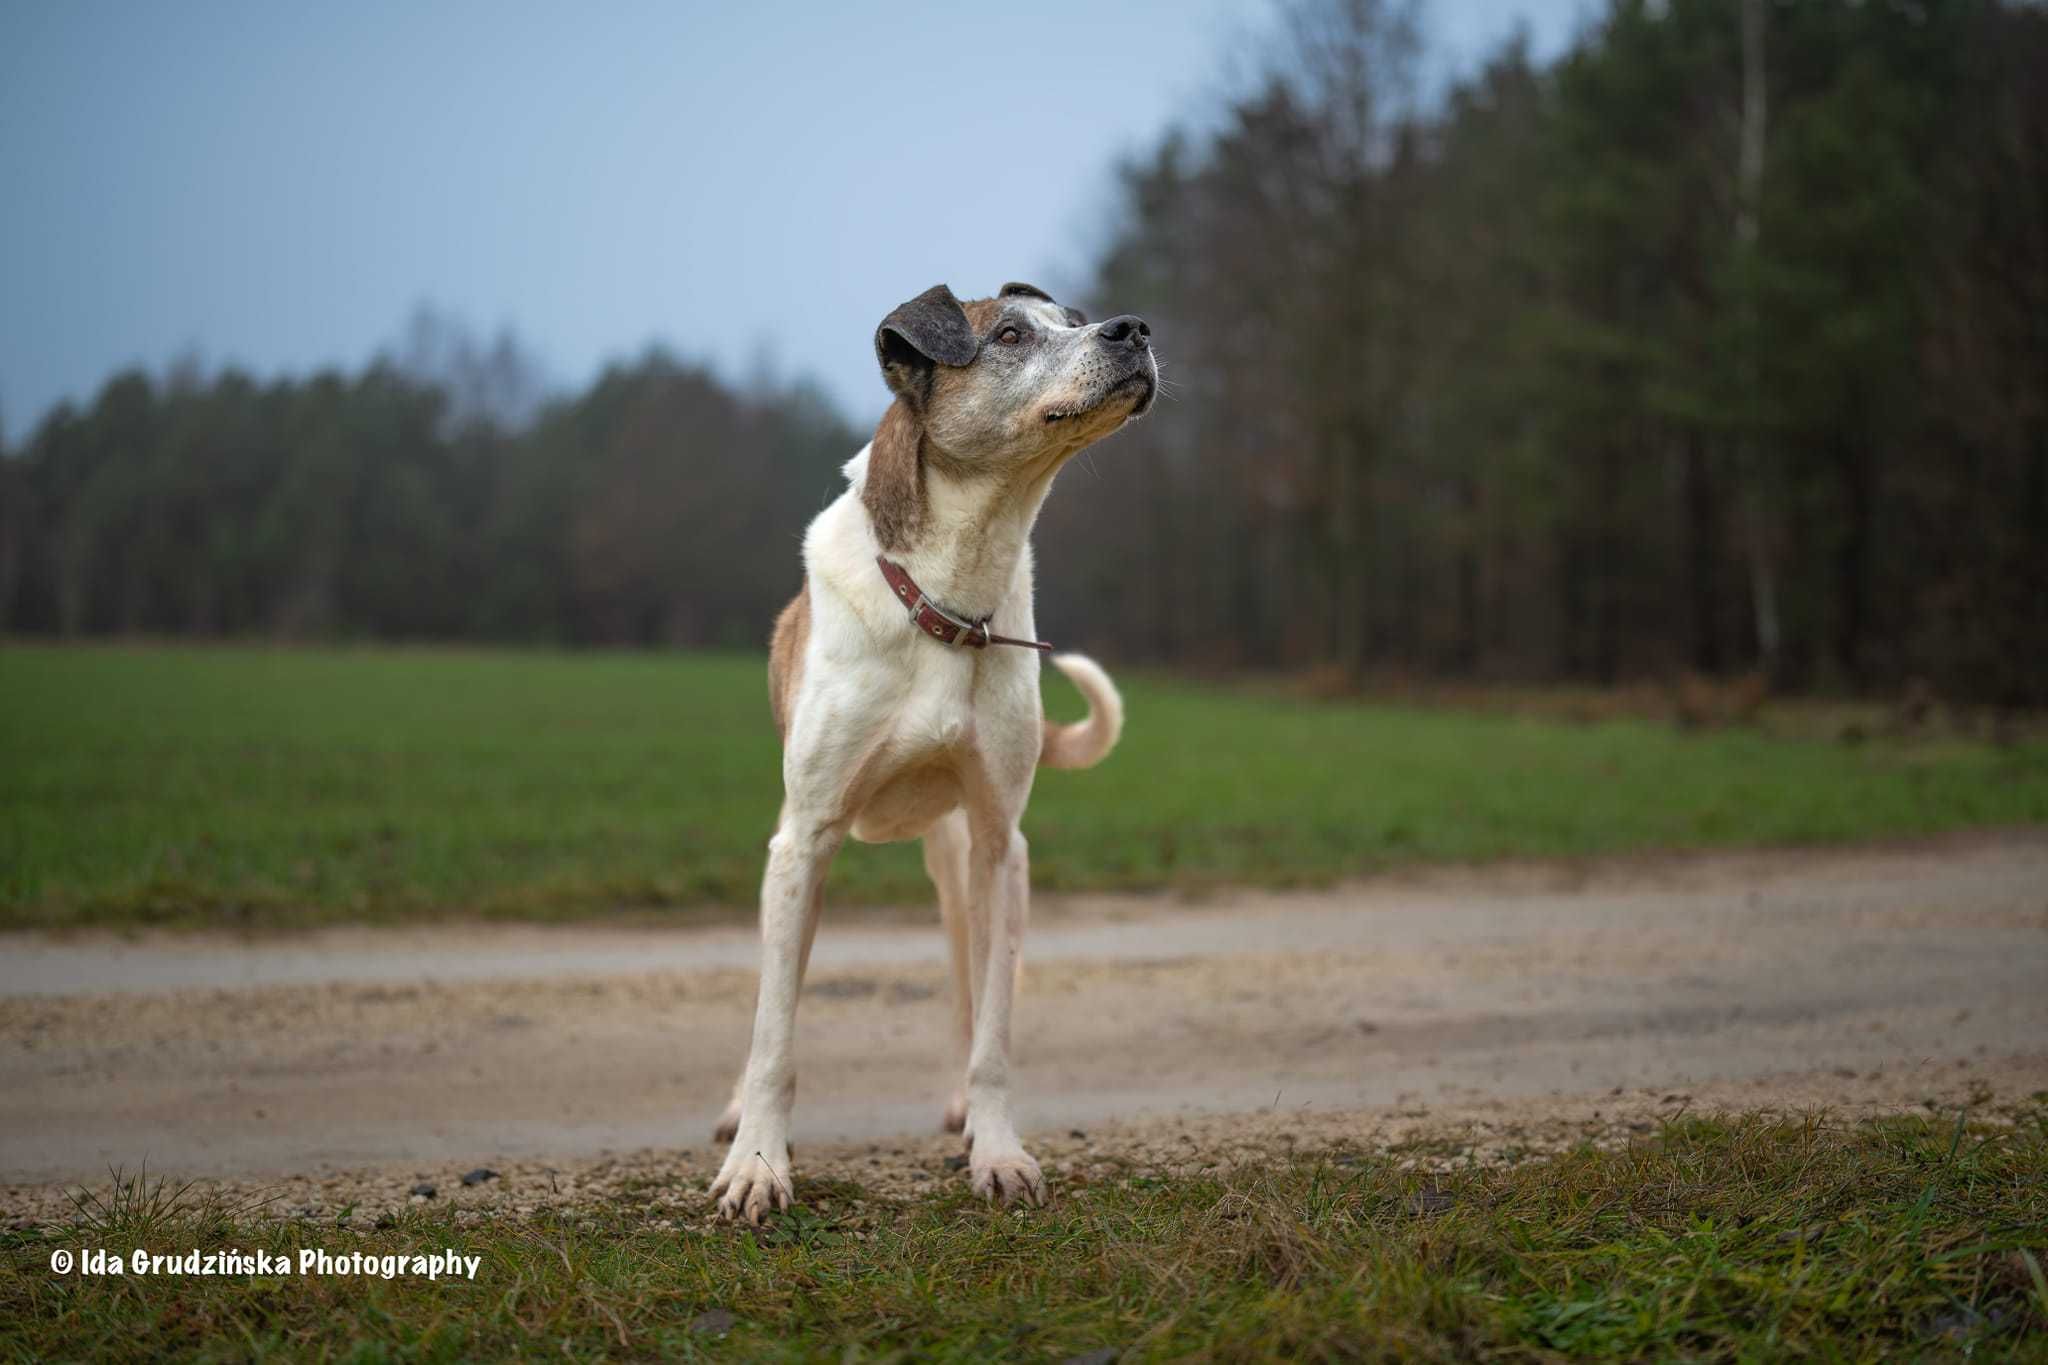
<point>958,710</point>
<point>936,714</point>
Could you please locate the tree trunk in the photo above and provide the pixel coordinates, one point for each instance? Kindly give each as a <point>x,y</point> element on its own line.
<point>1852,558</point>
<point>1763,583</point>
<point>1466,657</point>
<point>1702,542</point>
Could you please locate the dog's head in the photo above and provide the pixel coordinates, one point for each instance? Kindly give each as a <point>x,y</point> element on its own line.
<point>998,387</point>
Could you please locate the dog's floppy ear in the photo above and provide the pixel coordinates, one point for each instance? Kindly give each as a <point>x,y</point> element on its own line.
<point>893,491</point>
<point>931,329</point>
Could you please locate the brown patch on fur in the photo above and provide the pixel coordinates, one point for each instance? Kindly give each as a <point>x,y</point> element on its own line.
<point>786,657</point>
<point>893,491</point>
<point>982,313</point>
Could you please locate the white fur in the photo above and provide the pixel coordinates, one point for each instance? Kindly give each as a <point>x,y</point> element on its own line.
<point>894,736</point>
<point>1086,744</point>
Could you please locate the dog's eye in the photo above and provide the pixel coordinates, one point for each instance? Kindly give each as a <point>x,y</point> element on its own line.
<point>1009,336</point>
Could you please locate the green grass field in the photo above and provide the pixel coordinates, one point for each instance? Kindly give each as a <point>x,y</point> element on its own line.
<point>261,786</point>
<point>1734,1239</point>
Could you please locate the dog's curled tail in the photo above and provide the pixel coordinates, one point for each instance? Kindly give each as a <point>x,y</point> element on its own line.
<point>1085,743</point>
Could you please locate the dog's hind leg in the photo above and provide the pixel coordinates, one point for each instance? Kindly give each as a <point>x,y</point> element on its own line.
<point>946,847</point>
<point>755,1178</point>
<point>999,904</point>
<point>729,1122</point>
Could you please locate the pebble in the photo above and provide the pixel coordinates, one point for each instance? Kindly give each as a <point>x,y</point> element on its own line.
<point>718,1321</point>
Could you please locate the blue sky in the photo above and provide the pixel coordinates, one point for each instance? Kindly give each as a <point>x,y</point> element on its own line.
<point>279,185</point>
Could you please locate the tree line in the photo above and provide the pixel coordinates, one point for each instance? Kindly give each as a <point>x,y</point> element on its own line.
<point>430,497</point>
<point>1717,345</point>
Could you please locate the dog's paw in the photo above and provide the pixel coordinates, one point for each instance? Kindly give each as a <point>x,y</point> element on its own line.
<point>752,1184</point>
<point>955,1120</point>
<point>728,1124</point>
<point>1013,1178</point>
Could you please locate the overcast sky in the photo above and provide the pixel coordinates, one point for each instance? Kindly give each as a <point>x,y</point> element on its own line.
<point>279,184</point>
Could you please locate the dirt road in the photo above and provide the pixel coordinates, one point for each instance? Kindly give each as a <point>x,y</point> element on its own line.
<point>489,1045</point>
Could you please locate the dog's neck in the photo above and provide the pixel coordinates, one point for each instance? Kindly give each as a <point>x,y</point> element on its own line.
<point>975,536</point>
<point>972,536</point>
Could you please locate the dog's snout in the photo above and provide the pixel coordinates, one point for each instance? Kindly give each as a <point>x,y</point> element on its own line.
<point>1129,330</point>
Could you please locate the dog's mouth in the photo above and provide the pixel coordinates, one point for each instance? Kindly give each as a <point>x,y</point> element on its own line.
<point>1146,385</point>
<point>1139,383</point>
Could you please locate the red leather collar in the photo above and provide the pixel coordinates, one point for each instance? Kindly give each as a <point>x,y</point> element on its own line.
<point>935,621</point>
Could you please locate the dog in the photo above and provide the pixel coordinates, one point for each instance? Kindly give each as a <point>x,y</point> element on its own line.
<point>904,714</point>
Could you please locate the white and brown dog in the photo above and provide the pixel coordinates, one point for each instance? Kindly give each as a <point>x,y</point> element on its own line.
<point>903,712</point>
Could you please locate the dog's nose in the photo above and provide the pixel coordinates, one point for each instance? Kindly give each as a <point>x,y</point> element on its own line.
<point>1128,330</point>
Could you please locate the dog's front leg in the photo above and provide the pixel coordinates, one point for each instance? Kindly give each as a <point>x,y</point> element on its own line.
<point>729,1122</point>
<point>998,1165</point>
<point>756,1175</point>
